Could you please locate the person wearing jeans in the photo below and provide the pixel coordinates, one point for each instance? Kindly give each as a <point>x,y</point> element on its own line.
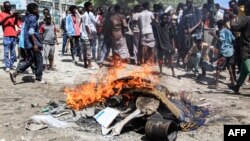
<point>195,63</point>
<point>65,35</point>
<point>65,40</point>
<point>9,44</point>
<point>8,21</point>
<point>74,44</point>
<point>197,57</point>
<point>73,31</point>
<point>33,46</point>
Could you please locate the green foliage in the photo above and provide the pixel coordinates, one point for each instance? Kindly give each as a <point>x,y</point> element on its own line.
<point>79,1</point>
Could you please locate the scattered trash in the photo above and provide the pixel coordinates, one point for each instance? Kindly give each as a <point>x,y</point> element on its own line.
<point>137,104</point>
<point>202,99</point>
<point>145,106</point>
<point>34,126</point>
<point>114,101</point>
<point>204,104</point>
<point>161,130</point>
<point>90,112</point>
<point>61,114</point>
<point>106,116</point>
<point>45,109</point>
<point>213,119</point>
<point>34,105</point>
<point>49,120</point>
<point>232,98</point>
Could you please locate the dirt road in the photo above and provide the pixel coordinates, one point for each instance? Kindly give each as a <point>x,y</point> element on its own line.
<point>16,110</point>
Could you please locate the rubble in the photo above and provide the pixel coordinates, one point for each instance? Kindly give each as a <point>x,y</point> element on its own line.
<point>145,106</point>
<point>161,130</point>
<point>31,126</point>
<point>204,104</point>
<point>34,105</point>
<point>49,120</point>
<point>131,103</point>
<point>106,116</point>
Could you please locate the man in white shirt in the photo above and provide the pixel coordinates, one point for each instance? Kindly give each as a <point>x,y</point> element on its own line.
<point>87,32</point>
<point>219,15</point>
<point>136,31</point>
<point>91,21</point>
<point>145,19</point>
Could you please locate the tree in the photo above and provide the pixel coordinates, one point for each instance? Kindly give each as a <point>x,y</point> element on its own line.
<point>80,1</point>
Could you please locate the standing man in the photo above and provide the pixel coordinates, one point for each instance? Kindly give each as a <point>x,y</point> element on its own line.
<point>243,25</point>
<point>226,58</point>
<point>119,27</point>
<point>73,30</point>
<point>164,37</point>
<point>87,36</point>
<point>64,31</point>
<point>106,47</point>
<point>33,45</point>
<point>8,21</point>
<point>136,31</point>
<point>99,27</point>
<point>49,38</point>
<point>147,37</point>
<point>209,22</point>
<point>91,29</point>
<point>192,22</point>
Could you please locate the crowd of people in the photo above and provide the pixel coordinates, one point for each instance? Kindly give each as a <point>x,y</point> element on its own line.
<point>207,38</point>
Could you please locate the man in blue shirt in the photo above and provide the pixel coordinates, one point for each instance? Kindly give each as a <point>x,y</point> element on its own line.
<point>226,50</point>
<point>33,45</point>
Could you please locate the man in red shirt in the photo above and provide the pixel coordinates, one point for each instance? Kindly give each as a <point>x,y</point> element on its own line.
<point>8,21</point>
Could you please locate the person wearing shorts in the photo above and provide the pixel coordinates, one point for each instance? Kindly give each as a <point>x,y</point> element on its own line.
<point>48,34</point>
<point>164,37</point>
<point>226,60</point>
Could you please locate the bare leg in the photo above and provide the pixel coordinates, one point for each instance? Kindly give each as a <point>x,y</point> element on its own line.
<point>89,63</point>
<point>149,56</point>
<point>51,62</point>
<point>170,62</point>
<point>215,86</point>
<point>116,60</point>
<point>231,75</point>
<point>160,66</point>
<point>143,55</point>
<point>173,72</point>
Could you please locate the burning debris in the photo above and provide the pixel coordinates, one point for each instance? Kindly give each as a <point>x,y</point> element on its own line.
<point>131,103</point>
<point>94,92</point>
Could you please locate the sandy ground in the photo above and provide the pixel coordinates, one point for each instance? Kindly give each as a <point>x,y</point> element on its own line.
<point>16,110</point>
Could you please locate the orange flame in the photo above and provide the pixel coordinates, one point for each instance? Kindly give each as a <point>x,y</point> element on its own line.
<point>91,93</point>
